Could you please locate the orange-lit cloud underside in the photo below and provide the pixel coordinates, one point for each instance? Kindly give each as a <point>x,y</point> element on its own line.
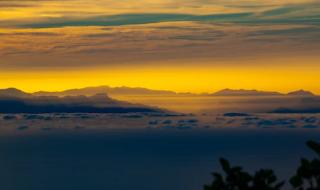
<point>196,46</point>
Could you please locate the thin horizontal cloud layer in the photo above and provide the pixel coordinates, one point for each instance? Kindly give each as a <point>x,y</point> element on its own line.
<point>53,35</point>
<point>85,8</point>
<point>302,13</point>
<point>130,19</point>
<point>137,44</point>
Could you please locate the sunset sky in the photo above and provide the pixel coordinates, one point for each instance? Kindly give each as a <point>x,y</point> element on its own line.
<point>181,45</point>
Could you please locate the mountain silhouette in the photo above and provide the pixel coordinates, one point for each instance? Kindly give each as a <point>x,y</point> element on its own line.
<point>112,91</point>
<point>242,92</point>
<point>16,101</point>
<point>300,93</point>
<point>129,91</point>
<point>13,92</point>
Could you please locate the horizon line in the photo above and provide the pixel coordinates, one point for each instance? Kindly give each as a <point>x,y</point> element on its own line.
<point>172,91</point>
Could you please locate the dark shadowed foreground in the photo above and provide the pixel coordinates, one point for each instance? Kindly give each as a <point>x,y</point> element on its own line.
<point>307,176</point>
<point>143,159</point>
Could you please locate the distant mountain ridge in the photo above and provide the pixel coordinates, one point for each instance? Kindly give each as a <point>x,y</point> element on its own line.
<point>301,93</point>
<point>95,100</point>
<point>243,92</point>
<point>112,91</point>
<point>129,91</point>
<point>13,92</point>
<point>16,101</point>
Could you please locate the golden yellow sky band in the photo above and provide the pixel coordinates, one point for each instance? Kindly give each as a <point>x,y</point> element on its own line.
<point>187,79</point>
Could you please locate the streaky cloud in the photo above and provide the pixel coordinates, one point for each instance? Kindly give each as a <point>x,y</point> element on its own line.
<point>283,10</point>
<point>132,19</point>
<point>275,16</point>
<point>293,31</point>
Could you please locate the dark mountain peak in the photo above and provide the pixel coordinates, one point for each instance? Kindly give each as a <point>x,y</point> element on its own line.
<point>87,91</point>
<point>243,92</point>
<point>13,92</point>
<point>300,93</point>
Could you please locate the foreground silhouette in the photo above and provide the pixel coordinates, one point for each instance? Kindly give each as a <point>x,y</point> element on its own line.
<point>307,176</point>
<point>15,101</point>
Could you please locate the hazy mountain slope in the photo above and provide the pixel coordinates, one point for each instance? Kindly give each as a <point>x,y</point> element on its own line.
<point>20,106</point>
<point>128,91</point>
<point>16,101</point>
<point>13,92</point>
<point>242,92</point>
<point>116,91</point>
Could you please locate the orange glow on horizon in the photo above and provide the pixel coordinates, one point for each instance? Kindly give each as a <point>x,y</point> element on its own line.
<point>179,79</point>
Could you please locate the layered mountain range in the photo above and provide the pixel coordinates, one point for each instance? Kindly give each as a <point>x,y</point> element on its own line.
<point>16,101</point>
<point>242,92</point>
<point>103,100</point>
<point>128,91</point>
